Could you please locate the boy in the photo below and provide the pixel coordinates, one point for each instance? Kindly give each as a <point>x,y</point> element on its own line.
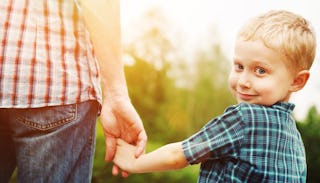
<point>257,139</point>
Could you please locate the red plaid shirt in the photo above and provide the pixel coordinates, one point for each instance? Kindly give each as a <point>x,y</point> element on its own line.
<point>46,57</point>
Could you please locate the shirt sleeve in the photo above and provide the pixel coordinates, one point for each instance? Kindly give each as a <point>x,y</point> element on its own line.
<point>220,137</point>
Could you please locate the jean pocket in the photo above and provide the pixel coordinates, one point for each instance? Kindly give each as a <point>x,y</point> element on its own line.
<point>47,118</point>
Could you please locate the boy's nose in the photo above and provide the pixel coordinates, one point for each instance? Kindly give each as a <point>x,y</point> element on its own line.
<point>244,81</point>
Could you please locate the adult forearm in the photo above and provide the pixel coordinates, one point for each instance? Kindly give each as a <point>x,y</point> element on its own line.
<point>102,18</point>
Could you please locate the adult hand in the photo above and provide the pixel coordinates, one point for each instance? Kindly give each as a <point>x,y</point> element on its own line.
<point>119,119</point>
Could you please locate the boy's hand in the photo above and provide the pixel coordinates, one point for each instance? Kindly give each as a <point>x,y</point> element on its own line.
<point>125,156</point>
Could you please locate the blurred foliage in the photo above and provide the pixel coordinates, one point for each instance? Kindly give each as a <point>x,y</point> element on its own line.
<point>170,110</point>
<point>310,132</point>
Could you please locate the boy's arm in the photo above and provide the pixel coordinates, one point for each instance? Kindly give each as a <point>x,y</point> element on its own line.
<point>168,157</point>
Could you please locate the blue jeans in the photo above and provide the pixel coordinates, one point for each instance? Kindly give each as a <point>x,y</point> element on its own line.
<point>50,144</point>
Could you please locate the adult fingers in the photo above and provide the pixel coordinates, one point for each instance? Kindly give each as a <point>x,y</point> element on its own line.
<point>141,144</point>
<point>111,145</point>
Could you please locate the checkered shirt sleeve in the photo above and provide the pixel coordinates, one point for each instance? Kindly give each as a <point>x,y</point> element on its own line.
<point>219,137</point>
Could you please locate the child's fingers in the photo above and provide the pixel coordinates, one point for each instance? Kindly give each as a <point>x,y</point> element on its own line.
<point>115,170</point>
<point>125,174</point>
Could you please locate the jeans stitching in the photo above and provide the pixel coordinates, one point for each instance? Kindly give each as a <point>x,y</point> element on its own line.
<point>52,125</point>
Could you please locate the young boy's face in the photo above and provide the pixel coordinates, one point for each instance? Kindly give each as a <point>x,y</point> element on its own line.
<point>259,74</point>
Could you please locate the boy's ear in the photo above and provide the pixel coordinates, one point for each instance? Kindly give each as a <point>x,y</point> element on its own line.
<point>300,80</point>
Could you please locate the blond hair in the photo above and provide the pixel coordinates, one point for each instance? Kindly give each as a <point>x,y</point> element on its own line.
<point>286,32</point>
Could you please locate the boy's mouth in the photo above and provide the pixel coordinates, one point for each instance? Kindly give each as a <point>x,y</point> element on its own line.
<point>245,96</point>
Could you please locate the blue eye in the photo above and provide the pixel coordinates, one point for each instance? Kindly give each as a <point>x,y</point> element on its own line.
<point>260,70</point>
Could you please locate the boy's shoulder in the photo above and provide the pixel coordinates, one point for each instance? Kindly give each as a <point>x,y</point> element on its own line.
<point>254,117</point>
<point>243,107</point>
<point>253,109</point>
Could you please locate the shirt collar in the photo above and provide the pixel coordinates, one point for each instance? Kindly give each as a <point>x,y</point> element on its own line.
<point>285,106</point>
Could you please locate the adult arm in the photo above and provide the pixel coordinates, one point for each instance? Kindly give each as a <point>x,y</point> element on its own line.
<point>118,116</point>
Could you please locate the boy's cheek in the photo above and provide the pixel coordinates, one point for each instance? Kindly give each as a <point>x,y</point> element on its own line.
<point>232,81</point>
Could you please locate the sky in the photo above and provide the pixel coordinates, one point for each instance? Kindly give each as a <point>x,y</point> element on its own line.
<point>195,18</point>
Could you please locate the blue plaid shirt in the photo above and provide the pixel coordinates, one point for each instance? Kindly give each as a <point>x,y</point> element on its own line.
<point>249,143</point>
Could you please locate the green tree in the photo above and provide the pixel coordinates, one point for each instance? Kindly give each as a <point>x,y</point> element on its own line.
<point>172,111</point>
<point>149,89</point>
<point>310,132</point>
<point>150,85</point>
<point>209,94</point>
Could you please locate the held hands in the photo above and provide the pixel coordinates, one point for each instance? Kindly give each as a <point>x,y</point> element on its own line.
<point>119,119</point>
<point>125,157</point>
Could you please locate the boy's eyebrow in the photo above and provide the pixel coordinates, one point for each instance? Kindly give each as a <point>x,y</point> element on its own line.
<point>254,62</point>
<point>262,64</point>
<point>235,61</point>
